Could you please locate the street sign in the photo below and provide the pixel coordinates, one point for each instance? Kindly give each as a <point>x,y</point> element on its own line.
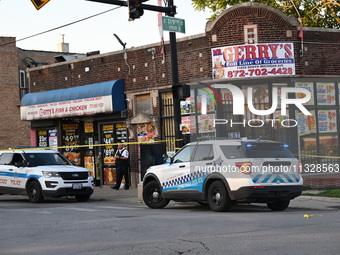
<point>39,3</point>
<point>173,24</point>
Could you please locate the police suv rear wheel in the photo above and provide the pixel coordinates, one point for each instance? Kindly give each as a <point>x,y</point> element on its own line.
<point>34,192</point>
<point>278,205</point>
<point>152,196</point>
<point>218,197</point>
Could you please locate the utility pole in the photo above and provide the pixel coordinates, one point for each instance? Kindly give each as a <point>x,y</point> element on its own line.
<point>175,84</point>
<point>177,88</point>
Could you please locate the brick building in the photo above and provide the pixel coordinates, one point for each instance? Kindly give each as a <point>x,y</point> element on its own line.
<point>13,85</point>
<point>249,46</point>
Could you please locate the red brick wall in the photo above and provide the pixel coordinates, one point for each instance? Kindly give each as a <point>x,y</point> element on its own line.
<point>13,131</point>
<point>321,55</point>
<point>11,126</point>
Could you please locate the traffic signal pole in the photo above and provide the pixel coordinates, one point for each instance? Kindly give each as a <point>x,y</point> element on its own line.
<point>170,10</point>
<point>175,84</point>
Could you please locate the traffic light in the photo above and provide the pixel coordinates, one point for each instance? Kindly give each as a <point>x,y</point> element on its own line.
<point>181,91</point>
<point>135,9</point>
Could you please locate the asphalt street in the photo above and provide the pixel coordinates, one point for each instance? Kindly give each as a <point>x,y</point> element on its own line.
<point>116,222</point>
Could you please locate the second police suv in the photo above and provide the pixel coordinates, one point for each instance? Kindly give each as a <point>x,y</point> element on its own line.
<point>222,172</point>
<point>41,174</point>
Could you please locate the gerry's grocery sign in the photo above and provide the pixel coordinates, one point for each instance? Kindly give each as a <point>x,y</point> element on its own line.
<point>253,60</point>
<point>86,106</point>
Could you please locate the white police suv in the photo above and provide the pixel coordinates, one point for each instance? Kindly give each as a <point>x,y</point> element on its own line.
<point>223,172</point>
<point>42,174</point>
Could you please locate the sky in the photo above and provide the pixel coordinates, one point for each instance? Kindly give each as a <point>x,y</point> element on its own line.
<point>20,19</point>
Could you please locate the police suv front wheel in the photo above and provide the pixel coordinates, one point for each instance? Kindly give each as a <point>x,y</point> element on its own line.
<point>34,192</point>
<point>152,196</point>
<point>218,197</point>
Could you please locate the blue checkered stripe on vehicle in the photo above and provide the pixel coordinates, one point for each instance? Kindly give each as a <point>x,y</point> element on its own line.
<point>275,178</point>
<point>193,180</point>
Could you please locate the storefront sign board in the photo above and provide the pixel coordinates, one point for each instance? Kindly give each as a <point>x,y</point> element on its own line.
<point>253,60</point>
<point>79,107</point>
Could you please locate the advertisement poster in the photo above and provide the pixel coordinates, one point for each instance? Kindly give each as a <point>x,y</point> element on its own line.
<point>278,119</point>
<point>188,125</point>
<point>308,86</point>
<point>206,123</point>
<point>306,123</point>
<point>253,60</point>
<point>327,121</point>
<point>325,93</point>
<point>188,106</point>
<point>88,127</point>
<point>53,139</point>
<point>109,175</point>
<point>42,138</point>
<point>108,153</point>
<point>89,164</point>
<point>145,132</point>
<point>205,102</point>
<point>108,138</point>
<point>121,133</point>
<point>70,139</point>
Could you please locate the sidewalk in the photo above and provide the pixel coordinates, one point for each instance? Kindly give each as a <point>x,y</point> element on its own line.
<point>105,193</point>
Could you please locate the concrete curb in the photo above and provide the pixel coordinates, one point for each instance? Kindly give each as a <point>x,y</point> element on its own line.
<point>134,195</point>
<point>320,198</point>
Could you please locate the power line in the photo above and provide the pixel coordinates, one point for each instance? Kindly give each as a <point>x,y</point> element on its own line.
<point>56,28</point>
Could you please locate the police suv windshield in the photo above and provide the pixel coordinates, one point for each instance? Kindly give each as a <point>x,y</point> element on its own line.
<point>45,159</point>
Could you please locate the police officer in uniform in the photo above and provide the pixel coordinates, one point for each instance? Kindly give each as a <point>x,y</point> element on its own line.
<point>122,167</point>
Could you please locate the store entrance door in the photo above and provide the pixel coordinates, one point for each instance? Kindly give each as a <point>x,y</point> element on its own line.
<point>110,135</point>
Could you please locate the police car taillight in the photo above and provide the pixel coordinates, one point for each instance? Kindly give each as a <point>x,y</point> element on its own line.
<point>245,167</point>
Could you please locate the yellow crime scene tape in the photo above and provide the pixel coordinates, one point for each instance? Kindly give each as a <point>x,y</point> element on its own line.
<point>315,156</point>
<point>91,145</point>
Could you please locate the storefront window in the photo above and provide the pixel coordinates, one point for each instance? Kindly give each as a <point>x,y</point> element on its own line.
<point>70,139</point>
<point>143,104</point>
<point>168,126</point>
<point>319,142</point>
<point>111,134</point>
<point>329,145</point>
<point>308,149</point>
<point>260,99</point>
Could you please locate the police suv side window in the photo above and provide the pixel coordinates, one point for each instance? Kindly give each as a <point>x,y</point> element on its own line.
<point>16,158</point>
<point>204,152</point>
<point>232,151</point>
<point>6,158</point>
<point>183,155</point>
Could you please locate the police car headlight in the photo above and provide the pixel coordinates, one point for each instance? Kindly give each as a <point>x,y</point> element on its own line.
<point>50,174</point>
